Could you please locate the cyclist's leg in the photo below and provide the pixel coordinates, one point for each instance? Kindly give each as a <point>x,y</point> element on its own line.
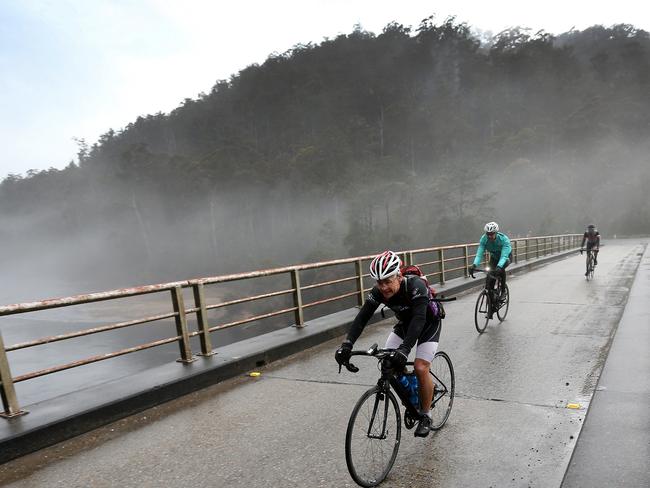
<point>595,251</point>
<point>393,341</point>
<point>490,278</point>
<point>423,357</point>
<point>426,349</point>
<point>591,248</point>
<point>503,273</point>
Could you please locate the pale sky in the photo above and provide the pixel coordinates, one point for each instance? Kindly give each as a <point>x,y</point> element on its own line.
<point>75,68</point>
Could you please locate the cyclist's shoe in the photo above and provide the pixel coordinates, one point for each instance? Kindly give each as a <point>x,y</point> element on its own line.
<point>595,261</point>
<point>587,273</point>
<point>424,427</point>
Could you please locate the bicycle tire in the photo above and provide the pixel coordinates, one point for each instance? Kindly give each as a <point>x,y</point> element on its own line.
<point>442,371</point>
<point>590,266</point>
<point>482,311</point>
<point>360,448</point>
<point>502,311</point>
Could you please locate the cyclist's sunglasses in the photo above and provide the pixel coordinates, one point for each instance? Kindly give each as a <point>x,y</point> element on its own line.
<point>491,234</point>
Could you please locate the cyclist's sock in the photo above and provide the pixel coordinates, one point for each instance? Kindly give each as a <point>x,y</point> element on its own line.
<point>427,413</point>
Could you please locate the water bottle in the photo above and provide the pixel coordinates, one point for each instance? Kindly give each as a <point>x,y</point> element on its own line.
<point>414,391</point>
<point>404,381</point>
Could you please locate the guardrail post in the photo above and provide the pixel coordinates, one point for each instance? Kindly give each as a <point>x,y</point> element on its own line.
<point>361,298</point>
<point>526,249</point>
<point>466,256</point>
<point>7,390</point>
<point>181,325</point>
<point>202,320</point>
<point>441,255</point>
<point>297,297</point>
<point>515,251</point>
<point>409,258</point>
<point>536,247</point>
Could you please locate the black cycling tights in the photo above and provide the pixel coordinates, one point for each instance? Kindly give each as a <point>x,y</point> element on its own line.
<point>501,274</point>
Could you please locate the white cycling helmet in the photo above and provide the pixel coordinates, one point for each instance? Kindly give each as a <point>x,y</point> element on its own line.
<point>385,265</point>
<point>491,227</point>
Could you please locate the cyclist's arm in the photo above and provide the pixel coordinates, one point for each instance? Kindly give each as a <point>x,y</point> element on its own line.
<point>480,251</point>
<point>418,319</point>
<point>584,238</point>
<point>506,249</point>
<point>419,297</point>
<point>362,318</point>
<point>598,239</point>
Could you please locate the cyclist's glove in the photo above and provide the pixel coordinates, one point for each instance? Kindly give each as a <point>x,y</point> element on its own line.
<point>499,270</point>
<point>580,252</point>
<point>471,270</point>
<point>343,353</point>
<point>398,358</point>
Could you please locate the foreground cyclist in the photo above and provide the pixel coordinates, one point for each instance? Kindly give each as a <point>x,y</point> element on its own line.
<point>498,245</point>
<point>592,237</point>
<point>408,297</point>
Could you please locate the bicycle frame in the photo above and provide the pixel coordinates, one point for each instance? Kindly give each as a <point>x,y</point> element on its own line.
<point>374,414</point>
<point>490,274</point>
<point>589,262</point>
<point>389,380</point>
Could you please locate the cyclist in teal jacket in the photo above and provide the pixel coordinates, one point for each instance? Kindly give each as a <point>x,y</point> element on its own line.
<point>498,245</point>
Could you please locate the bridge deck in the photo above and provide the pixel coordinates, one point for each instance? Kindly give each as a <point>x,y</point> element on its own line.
<point>509,425</point>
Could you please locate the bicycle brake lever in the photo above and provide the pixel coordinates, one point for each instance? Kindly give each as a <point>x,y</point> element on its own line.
<point>351,368</point>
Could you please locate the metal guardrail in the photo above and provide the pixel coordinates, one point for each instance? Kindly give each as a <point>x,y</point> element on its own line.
<point>439,264</point>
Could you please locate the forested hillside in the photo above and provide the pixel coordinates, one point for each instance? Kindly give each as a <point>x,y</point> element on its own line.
<point>409,137</point>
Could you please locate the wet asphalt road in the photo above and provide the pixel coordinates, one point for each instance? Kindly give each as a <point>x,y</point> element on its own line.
<point>509,425</point>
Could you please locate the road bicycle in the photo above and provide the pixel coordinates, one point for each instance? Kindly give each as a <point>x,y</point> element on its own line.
<point>374,430</point>
<point>492,299</point>
<point>590,266</point>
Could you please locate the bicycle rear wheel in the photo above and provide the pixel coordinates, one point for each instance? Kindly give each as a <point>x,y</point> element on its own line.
<point>443,377</point>
<point>502,311</point>
<point>373,436</point>
<point>482,311</point>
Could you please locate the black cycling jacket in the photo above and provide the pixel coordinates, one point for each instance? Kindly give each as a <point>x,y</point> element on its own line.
<point>411,307</point>
<point>591,239</point>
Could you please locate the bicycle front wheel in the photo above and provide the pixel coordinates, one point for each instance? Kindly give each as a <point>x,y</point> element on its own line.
<point>502,311</point>
<point>482,311</point>
<point>445,385</point>
<point>590,266</point>
<point>373,436</point>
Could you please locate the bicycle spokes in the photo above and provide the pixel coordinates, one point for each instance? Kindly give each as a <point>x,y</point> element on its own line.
<point>373,437</point>
<point>381,421</point>
<point>443,377</point>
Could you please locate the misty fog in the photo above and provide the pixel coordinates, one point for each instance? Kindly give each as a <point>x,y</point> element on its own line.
<point>404,139</point>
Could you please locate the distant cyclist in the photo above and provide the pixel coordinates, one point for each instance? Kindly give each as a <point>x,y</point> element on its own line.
<point>592,238</point>
<point>408,297</point>
<point>498,245</point>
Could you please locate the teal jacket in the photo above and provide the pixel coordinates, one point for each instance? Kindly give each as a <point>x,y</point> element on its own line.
<point>498,247</point>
